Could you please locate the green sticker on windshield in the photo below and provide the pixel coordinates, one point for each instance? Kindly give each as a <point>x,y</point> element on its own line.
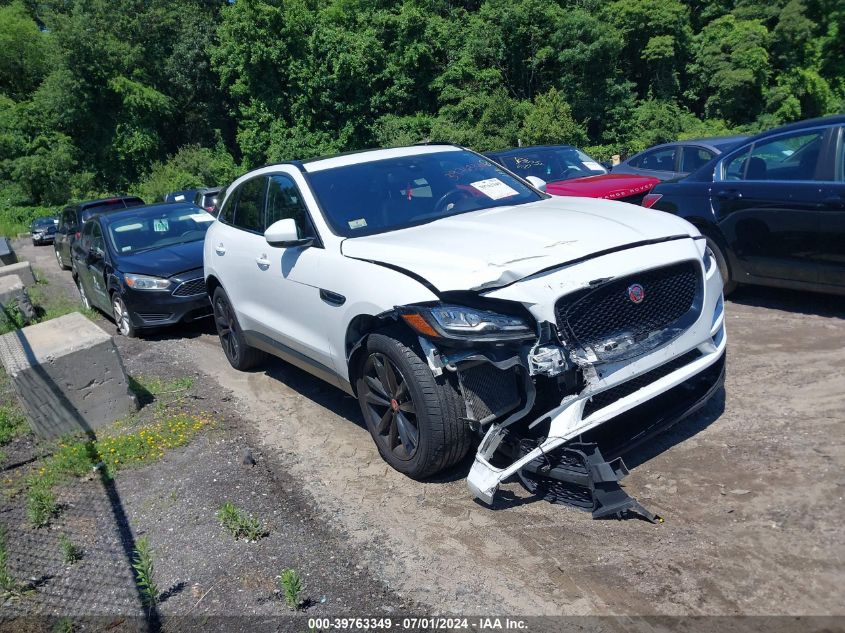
<point>160,226</point>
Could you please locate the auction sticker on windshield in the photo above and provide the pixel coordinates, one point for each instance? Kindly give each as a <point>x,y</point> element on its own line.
<point>493,188</point>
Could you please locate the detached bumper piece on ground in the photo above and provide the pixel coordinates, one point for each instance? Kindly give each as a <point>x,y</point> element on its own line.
<point>577,475</point>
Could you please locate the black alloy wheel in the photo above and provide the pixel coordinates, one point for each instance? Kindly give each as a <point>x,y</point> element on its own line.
<point>390,408</point>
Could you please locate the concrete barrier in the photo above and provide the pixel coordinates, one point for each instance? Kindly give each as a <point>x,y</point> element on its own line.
<point>67,374</point>
<point>10,288</point>
<point>22,270</point>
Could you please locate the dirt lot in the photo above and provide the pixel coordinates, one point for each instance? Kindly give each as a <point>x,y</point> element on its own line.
<point>751,488</point>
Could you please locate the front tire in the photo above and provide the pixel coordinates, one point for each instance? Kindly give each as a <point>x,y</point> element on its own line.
<point>82,296</point>
<point>121,317</point>
<point>413,416</point>
<point>60,262</point>
<point>239,354</point>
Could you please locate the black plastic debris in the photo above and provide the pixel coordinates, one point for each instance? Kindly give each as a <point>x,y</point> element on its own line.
<point>577,475</point>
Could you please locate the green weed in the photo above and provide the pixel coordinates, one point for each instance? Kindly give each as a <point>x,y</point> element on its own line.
<point>70,552</point>
<point>292,588</point>
<point>142,563</point>
<point>239,523</point>
<point>41,506</point>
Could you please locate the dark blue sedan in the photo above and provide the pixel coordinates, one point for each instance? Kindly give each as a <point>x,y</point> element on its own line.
<point>144,265</point>
<point>772,208</point>
<point>677,159</point>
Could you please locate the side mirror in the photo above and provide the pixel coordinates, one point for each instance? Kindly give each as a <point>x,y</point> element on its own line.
<point>283,234</point>
<point>93,256</point>
<point>538,183</point>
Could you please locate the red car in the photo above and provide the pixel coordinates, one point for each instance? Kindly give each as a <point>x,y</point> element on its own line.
<point>567,171</point>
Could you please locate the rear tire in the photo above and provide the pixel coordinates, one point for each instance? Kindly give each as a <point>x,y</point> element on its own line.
<point>722,263</point>
<point>413,416</point>
<point>240,355</point>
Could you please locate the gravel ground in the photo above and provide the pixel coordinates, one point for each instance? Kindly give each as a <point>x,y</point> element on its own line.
<point>751,489</point>
<point>206,576</point>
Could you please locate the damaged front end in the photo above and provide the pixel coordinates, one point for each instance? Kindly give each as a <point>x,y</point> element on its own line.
<point>648,344</point>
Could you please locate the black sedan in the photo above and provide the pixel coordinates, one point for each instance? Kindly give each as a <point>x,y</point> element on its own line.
<point>773,208</point>
<point>43,230</point>
<point>144,265</point>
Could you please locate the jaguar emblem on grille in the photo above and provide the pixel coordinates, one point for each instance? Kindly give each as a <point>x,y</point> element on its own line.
<point>636,293</point>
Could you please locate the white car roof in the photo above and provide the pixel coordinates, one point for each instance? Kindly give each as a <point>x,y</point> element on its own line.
<point>356,158</point>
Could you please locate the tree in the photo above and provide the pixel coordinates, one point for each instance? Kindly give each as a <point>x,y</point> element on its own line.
<point>24,52</point>
<point>549,121</point>
<point>730,67</point>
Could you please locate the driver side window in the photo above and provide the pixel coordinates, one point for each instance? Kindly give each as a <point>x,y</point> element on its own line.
<point>85,239</point>
<point>284,201</point>
<point>97,243</point>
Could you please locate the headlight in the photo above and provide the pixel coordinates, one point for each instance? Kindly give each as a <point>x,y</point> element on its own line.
<point>461,322</point>
<point>143,282</point>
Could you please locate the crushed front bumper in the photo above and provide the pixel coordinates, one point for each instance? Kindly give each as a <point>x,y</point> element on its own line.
<point>663,385</point>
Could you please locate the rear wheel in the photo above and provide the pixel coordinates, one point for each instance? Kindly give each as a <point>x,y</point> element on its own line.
<point>722,263</point>
<point>240,355</point>
<point>413,416</point>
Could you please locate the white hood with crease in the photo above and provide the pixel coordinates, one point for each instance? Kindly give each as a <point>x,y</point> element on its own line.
<point>494,247</point>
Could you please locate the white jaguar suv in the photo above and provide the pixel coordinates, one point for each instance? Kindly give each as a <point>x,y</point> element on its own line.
<point>460,303</point>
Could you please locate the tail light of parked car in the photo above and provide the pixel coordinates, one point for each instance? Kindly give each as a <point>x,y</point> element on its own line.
<point>650,199</point>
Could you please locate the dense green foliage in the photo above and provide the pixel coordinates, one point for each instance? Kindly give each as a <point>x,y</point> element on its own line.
<point>146,96</point>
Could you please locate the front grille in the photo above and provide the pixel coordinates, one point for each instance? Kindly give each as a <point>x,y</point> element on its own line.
<point>488,391</point>
<point>601,316</point>
<point>190,288</point>
<point>606,398</point>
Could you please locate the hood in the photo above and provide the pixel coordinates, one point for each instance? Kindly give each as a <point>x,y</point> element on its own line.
<point>163,262</point>
<point>610,186</point>
<point>494,247</point>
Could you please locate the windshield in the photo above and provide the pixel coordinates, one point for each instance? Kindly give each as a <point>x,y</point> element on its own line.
<point>44,222</point>
<point>396,193</point>
<point>552,163</point>
<point>148,230</point>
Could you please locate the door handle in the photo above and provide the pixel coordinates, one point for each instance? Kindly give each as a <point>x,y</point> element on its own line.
<point>834,201</point>
<point>263,262</point>
<point>729,194</point>
<point>220,249</point>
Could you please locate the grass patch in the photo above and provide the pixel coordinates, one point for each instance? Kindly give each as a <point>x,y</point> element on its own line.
<point>290,583</point>
<point>8,584</point>
<point>77,458</point>
<point>47,306</point>
<point>239,523</point>
<point>41,506</point>
<point>12,423</point>
<point>113,452</point>
<point>70,552</point>
<point>142,563</point>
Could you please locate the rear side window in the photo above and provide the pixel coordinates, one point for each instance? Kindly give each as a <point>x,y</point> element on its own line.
<point>786,157</point>
<point>284,201</point>
<point>658,160</point>
<point>249,210</point>
<point>694,157</point>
